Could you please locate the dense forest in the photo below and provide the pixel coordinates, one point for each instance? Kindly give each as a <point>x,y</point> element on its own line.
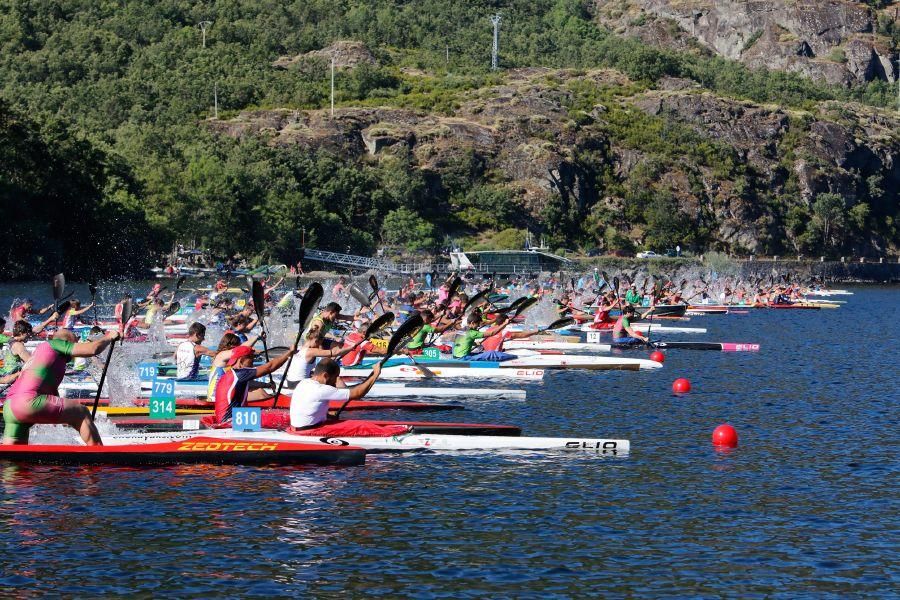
<point>106,156</point>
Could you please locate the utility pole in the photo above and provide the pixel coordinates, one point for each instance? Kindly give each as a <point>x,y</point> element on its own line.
<point>204,25</point>
<point>495,49</point>
<point>332,86</point>
<point>216,100</point>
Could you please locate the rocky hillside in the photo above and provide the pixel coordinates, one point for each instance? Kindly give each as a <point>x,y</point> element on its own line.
<point>741,176</point>
<point>836,41</point>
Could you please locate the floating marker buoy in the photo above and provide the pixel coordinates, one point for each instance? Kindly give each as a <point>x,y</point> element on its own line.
<point>725,435</point>
<point>681,386</point>
<point>657,356</point>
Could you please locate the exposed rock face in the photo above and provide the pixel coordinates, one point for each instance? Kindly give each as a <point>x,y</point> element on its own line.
<point>346,53</point>
<point>830,40</point>
<point>524,130</point>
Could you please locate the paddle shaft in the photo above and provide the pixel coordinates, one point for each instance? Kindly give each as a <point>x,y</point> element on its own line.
<point>102,380</point>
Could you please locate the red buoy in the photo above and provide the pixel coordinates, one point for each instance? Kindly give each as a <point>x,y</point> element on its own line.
<point>681,386</point>
<point>725,435</point>
<point>657,356</point>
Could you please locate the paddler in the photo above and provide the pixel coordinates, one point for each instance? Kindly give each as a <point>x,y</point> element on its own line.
<point>233,387</point>
<point>312,397</point>
<point>623,332</point>
<point>228,342</point>
<point>26,308</point>
<point>75,311</point>
<point>34,397</point>
<point>632,296</point>
<point>13,354</point>
<point>190,351</point>
<point>324,321</point>
<point>465,343</point>
<point>313,349</point>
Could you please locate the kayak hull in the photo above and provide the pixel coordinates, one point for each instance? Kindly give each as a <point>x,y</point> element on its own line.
<point>190,450</point>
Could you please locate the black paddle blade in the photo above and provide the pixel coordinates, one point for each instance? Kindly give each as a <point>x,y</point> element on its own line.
<point>64,307</point>
<point>528,303</point>
<point>477,300</point>
<point>297,282</point>
<point>560,323</point>
<point>173,308</point>
<point>454,288</point>
<point>373,283</point>
<point>259,298</point>
<point>127,310</point>
<point>404,333</point>
<point>92,288</point>
<point>59,286</point>
<point>616,284</point>
<point>379,324</point>
<point>358,295</point>
<point>179,282</point>
<point>515,304</point>
<point>309,304</point>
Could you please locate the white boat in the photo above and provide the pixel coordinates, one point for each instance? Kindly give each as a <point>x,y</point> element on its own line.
<point>553,345</point>
<point>398,443</point>
<point>644,326</point>
<point>413,372</point>
<point>87,389</point>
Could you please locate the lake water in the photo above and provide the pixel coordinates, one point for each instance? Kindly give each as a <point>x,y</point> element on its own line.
<point>805,507</point>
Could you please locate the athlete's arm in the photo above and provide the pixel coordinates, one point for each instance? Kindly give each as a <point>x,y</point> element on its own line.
<point>276,363</point>
<point>87,349</point>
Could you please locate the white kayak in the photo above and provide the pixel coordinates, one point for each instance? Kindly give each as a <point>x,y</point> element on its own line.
<point>81,389</point>
<point>444,372</point>
<point>644,326</point>
<point>554,345</point>
<point>398,443</point>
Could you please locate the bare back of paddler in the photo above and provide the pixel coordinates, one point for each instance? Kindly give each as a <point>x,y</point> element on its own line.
<point>34,397</point>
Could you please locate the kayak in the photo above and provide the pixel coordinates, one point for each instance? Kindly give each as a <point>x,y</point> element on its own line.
<point>642,326</point>
<point>532,360</point>
<point>722,347</point>
<point>563,346</point>
<point>602,338</point>
<point>707,310</point>
<point>428,427</point>
<point>82,389</point>
<point>284,401</point>
<point>797,305</point>
<point>191,450</point>
<point>398,443</point>
<point>488,371</point>
<point>664,310</point>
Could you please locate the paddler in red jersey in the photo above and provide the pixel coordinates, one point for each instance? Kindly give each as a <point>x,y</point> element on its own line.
<point>233,387</point>
<point>26,308</point>
<point>602,320</point>
<point>312,398</point>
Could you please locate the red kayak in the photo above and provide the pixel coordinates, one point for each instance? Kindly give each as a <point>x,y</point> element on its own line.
<point>280,419</point>
<point>191,451</point>
<point>795,306</point>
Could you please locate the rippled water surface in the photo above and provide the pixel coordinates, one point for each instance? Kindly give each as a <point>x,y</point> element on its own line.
<point>806,506</point>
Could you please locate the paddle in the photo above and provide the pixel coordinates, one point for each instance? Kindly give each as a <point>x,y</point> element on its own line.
<point>259,305</point>
<point>454,288</point>
<point>59,288</point>
<point>358,295</point>
<point>92,288</point>
<point>126,316</point>
<point>373,283</point>
<point>401,337</point>
<point>172,309</point>
<point>557,324</point>
<point>305,314</point>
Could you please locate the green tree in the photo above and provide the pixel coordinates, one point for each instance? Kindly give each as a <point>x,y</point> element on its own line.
<point>403,227</point>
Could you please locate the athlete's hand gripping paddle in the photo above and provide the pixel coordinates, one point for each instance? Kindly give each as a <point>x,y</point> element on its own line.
<point>305,314</point>
<point>126,316</point>
<point>401,337</point>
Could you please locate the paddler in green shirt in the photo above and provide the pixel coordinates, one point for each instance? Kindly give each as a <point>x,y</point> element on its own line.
<point>465,342</point>
<point>632,296</point>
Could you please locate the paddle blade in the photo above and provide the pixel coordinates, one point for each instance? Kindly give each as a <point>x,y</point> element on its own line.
<point>59,286</point>
<point>528,303</point>
<point>378,324</point>
<point>259,298</point>
<point>454,288</point>
<point>179,282</point>
<point>477,300</point>
<point>127,310</point>
<point>373,283</point>
<point>560,323</point>
<point>173,309</point>
<point>515,304</point>
<point>92,288</point>
<point>404,334</point>
<point>616,285</point>
<point>358,295</point>
<point>309,304</point>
